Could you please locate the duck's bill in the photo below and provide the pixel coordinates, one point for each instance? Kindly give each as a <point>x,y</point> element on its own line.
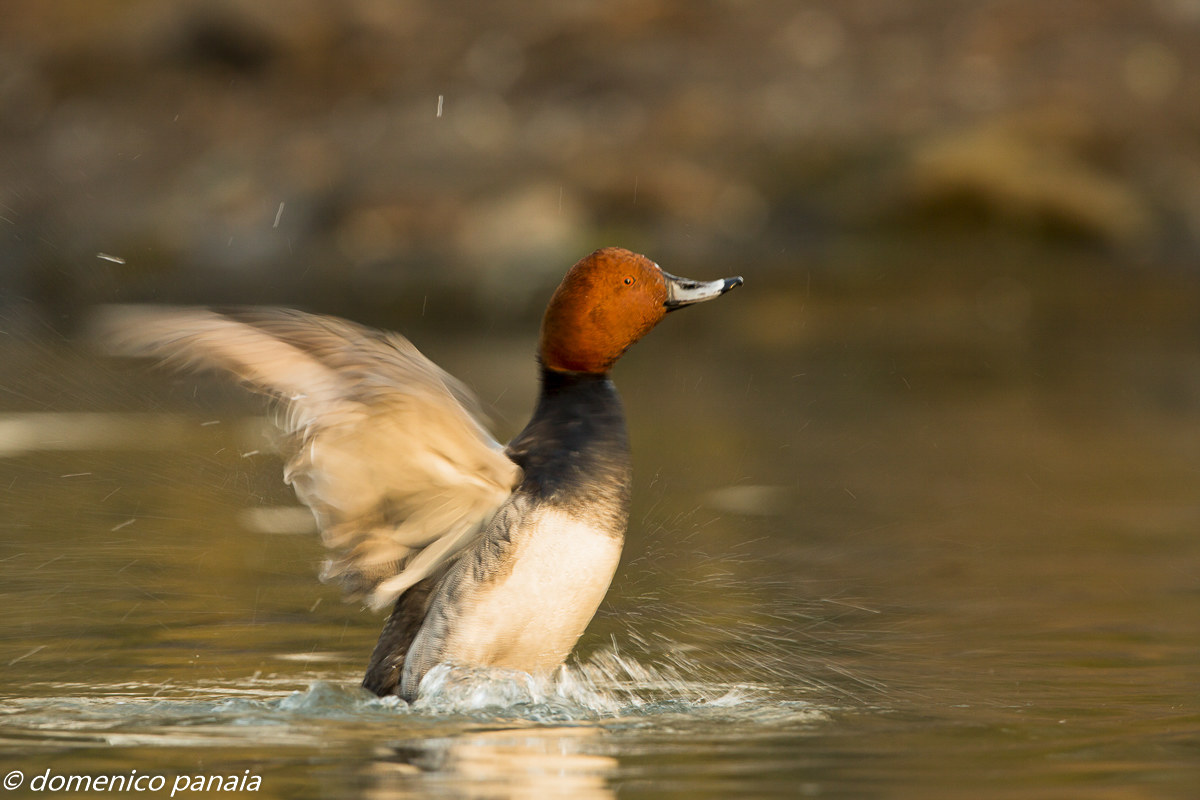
<point>684,292</point>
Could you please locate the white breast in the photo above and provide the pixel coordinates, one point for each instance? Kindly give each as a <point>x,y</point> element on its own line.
<point>531,618</point>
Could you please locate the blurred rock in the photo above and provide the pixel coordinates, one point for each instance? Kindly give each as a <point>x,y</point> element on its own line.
<point>1029,179</point>
<point>520,238</point>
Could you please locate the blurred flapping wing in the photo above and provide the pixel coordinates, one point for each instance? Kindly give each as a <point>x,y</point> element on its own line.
<point>387,452</point>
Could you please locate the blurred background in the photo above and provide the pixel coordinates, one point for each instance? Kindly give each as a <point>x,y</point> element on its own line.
<point>354,156</point>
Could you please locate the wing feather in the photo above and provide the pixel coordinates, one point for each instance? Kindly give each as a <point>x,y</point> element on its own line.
<point>387,449</point>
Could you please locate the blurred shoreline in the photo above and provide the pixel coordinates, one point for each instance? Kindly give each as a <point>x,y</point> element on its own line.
<point>364,158</point>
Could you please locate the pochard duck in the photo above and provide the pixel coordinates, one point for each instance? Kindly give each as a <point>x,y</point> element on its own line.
<point>490,556</point>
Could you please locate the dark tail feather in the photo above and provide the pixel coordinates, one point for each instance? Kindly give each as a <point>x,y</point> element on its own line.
<point>387,660</point>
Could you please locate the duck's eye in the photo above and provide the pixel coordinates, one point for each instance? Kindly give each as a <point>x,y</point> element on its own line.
<point>629,280</point>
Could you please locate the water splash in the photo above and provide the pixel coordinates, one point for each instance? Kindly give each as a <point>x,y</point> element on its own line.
<point>609,690</point>
<point>607,685</point>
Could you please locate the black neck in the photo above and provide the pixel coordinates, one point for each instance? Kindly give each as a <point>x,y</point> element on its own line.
<point>575,448</point>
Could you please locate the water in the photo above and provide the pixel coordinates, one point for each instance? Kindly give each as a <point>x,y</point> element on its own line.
<point>875,555</point>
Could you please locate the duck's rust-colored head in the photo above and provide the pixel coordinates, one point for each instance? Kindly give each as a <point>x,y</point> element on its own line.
<point>608,301</point>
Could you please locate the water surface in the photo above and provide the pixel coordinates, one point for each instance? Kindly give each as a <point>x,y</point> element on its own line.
<point>873,554</point>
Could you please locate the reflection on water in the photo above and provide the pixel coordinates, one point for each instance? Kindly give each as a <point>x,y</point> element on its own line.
<point>869,555</point>
<point>515,763</point>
